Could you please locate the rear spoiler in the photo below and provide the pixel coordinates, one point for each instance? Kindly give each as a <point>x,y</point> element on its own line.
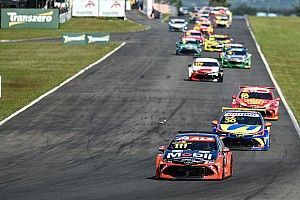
<point>266,87</point>
<point>194,131</point>
<point>262,111</point>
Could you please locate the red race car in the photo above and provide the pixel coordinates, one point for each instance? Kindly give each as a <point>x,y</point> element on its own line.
<point>194,155</point>
<point>195,34</point>
<point>258,97</point>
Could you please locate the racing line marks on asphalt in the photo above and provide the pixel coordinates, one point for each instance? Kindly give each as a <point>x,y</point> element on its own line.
<point>287,107</point>
<point>60,85</point>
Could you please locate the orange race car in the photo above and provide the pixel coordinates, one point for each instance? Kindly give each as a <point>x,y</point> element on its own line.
<point>258,97</point>
<point>194,155</point>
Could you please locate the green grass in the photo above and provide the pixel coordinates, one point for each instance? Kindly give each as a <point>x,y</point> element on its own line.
<point>30,69</point>
<point>279,39</point>
<point>74,25</point>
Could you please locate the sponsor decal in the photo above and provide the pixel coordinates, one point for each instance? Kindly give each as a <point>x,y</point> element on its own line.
<point>199,155</point>
<point>21,19</point>
<point>79,38</point>
<point>116,4</point>
<point>29,18</point>
<point>241,114</point>
<point>90,4</point>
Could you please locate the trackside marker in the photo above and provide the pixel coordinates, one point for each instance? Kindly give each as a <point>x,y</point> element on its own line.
<point>287,107</point>
<point>60,85</point>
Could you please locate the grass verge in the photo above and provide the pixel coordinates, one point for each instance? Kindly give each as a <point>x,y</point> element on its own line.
<point>279,40</point>
<point>74,25</point>
<point>30,69</point>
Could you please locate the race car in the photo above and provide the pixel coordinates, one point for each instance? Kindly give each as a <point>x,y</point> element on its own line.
<point>194,155</point>
<point>216,42</point>
<point>195,34</point>
<point>188,46</point>
<point>205,27</point>
<point>205,69</point>
<point>258,97</point>
<point>178,25</point>
<point>236,58</point>
<point>223,20</point>
<point>243,129</point>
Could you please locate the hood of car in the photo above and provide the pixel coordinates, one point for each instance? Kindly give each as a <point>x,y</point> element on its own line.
<point>240,128</point>
<point>254,102</point>
<point>204,69</point>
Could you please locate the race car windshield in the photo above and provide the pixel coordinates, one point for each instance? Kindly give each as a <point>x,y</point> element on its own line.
<point>255,95</point>
<point>206,64</point>
<point>241,120</point>
<point>178,22</point>
<point>195,34</point>
<point>239,53</point>
<point>195,145</point>
<point>222,39</point>
<point>189,42</point>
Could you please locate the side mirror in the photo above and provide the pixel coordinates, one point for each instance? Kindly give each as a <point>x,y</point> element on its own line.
<point>233,97</point>
<point>162,149</point>
<point>268,124</point>
<point>215,122</point>
<point>225,149</point>
<point>277,99</point>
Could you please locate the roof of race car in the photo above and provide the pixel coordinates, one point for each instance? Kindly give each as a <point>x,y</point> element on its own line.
<point>193,31</point>
<point>188,38</point>
<point>206,60</point>
<point>241,113</point>
<point>219,36</point>
<point>234,45</point>
<point>194,136</point>
<point>177,20</point>
<point>256,89</point>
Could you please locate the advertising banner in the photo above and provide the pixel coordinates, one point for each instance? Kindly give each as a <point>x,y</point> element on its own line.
<point>29,18</point>
<point>84,38</point>
<point>85,8</point>
<point>74,38</point>
<point>97,38</point>
<point>112,8</point>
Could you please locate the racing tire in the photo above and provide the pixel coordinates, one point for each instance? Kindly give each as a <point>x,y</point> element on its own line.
<point>220,79</point>
<point>223,171</point>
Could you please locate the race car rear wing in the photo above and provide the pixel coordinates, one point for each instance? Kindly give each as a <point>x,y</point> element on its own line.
<point>248,86</point>
<point>261,111</point>
<point>193,131</point>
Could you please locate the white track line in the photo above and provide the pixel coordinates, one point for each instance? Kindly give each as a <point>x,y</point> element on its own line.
<point>60,85</point>
<point>290,112</point>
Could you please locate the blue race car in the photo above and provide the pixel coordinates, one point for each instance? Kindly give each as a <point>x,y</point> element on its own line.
<point>243,129</point>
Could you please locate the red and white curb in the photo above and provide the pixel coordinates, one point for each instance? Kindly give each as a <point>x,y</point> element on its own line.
<point>290,112</point>
<point>60,85</point>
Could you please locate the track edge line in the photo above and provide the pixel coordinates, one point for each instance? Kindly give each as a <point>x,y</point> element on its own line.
<point>286,105</point>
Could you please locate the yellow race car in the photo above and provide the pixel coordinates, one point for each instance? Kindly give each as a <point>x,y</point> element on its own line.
<point>223,21</point>
<point>216,42</point>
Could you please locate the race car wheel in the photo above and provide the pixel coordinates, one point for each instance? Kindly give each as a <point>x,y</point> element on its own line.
<point>223,171</point>
<point>220,79</point>
<point>231,168</point>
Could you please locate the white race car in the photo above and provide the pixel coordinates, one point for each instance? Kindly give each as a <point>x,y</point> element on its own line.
<point>205,69</point>
<point>178,25</point>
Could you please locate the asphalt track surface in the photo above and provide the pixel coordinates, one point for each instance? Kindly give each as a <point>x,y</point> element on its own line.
<point>97,137</point>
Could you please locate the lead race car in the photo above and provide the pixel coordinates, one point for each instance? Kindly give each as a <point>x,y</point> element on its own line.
<point>236,58</point>
<point>243,130</point>
<point>178,25</point>
<point>188,46</point>
<point>205,69</point>
<point>258,97</point>
<point>194,155</point>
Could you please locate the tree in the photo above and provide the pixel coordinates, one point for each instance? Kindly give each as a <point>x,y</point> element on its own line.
<point>218,3</point>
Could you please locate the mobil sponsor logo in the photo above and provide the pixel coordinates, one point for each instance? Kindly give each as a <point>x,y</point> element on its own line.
<point>197,155</point>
